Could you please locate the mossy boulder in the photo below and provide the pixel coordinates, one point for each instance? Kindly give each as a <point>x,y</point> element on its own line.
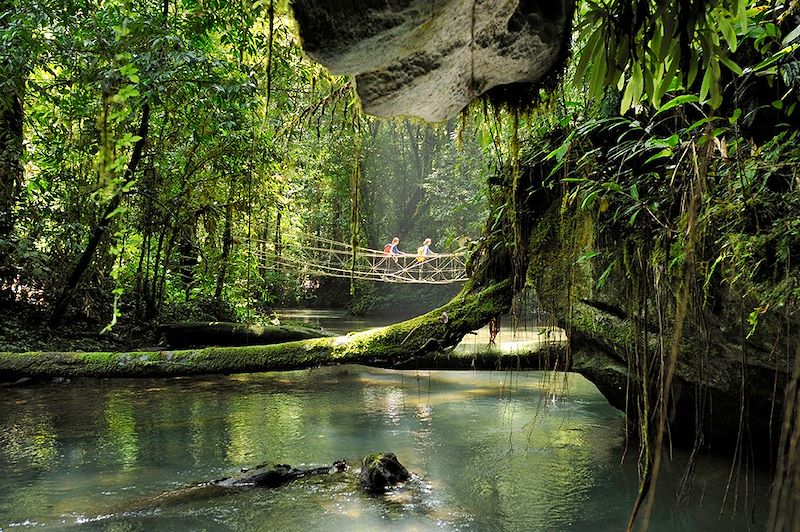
<point>380,471</point>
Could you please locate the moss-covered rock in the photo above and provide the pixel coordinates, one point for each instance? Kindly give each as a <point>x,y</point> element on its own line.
<point>380,471</point>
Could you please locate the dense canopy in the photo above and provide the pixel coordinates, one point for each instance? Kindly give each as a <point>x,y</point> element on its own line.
<point>159,159</point>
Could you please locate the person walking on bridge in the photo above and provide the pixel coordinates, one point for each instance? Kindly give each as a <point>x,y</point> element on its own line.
<point>391,247</point>
<point>391,250</point>
<point>423,253</point>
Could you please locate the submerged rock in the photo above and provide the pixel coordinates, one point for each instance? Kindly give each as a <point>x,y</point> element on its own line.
<point>263,476</point>
<point>380,471</point>
<point>430,59</point>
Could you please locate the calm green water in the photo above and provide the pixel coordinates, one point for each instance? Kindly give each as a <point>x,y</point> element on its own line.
<point>493,451</point>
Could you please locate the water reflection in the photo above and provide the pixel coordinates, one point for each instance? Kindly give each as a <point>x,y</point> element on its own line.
<point>515,451</point>
<point>120,443</point>
<point>28,438</point>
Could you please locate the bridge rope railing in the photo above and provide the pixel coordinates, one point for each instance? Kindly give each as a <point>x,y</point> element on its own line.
<point>321,256</point>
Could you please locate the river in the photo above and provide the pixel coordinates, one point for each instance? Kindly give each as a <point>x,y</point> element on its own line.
<point>490,450</point>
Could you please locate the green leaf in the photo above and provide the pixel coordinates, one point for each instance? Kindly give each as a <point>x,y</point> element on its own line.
<point>752,319</point>
<point>741,16</point>
<point>711,270</point>
<point>678,100</point>
<point>694,66</point>
<point>701,122</point>
<point>666,82</point>
<point>771,29</point>
<point>728,33</point>
<point>588,52</point>
<point>791,37</point>
<point>660,155</point>
<point>667,41</point>
<point>599,69</point>
<point>586,256</point>
<point>637,80</point>
<point>117,212</point>
<point>589,199</point>
<point>634,192</point>
<point>650,83</point>
<point>633,91</point>
<point>705,87</point>
<point>601,282</point>
<point>777,56</point>
<point>733,67</point>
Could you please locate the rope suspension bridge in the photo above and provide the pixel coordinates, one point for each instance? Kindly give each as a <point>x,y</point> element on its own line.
<point>322,257</point>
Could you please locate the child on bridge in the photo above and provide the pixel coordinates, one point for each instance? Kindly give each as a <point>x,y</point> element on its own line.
<point>391,250</point>
<point>423,252</point>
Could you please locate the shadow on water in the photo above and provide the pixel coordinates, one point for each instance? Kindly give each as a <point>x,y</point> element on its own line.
<point>492,451</point>
<point>339,321</point>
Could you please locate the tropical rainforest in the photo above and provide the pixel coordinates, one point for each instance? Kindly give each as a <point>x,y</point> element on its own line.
<point>164,160</point>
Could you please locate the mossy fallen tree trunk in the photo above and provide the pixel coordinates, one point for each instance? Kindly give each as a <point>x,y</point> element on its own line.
<point>194,334</point>
<point>420,340</point>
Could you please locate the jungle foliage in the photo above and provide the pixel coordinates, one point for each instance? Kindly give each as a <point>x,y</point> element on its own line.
<point>159,156</point>
<point>670,167</point>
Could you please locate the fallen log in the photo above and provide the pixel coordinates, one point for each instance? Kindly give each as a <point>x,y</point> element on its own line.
<point>261,476</point>
<point>417,342</point>
<point>196,334</point>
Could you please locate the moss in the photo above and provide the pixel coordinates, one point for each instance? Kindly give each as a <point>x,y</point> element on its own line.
<point>415,339</point>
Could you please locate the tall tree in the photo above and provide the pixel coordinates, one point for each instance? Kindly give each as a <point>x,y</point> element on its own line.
<point>13,74</point>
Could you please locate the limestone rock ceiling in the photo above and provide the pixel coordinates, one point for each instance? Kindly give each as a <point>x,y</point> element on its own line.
<point>430,58</point>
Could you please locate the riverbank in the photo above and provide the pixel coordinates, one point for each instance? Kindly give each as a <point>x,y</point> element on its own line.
<point>23,328</point>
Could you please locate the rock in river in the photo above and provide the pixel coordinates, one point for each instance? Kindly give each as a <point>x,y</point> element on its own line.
<point>380,471</point>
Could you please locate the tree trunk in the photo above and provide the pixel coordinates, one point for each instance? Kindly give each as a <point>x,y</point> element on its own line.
<point>187,254</point>
<point>421,340</point>
<point>160,289</point>
<point>11,117</point>
<point>227,242</point>
<point>261,476</point>
<point>151,293</point>
<point>105,222</point>
<point>278,237</point>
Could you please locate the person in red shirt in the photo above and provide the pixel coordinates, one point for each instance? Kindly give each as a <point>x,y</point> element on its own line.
<point>391,250</point>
